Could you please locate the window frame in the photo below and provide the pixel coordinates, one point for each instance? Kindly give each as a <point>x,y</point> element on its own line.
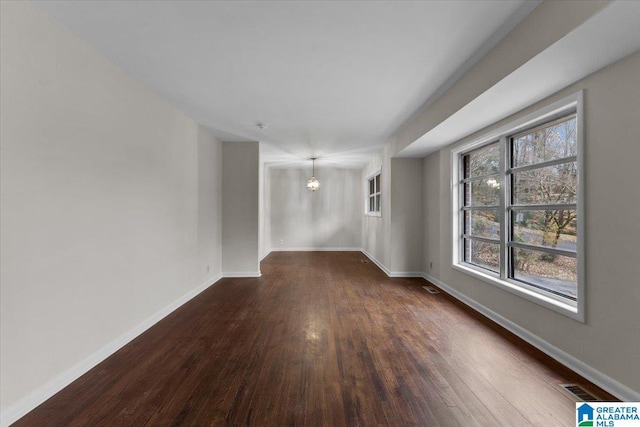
<point>572,104</point>
<point>376,193</point>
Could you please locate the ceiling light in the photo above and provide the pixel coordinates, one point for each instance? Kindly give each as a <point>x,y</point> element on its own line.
<point>313,184</point>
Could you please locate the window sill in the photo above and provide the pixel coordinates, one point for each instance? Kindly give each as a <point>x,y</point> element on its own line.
<point>521,291</point>
<point>374,214</point>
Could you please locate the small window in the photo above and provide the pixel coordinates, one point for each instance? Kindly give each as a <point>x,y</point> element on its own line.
<point>373,198</point>
<point>518,210</point>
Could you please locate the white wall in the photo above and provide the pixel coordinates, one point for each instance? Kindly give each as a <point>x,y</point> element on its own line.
<point>406,216</point>
<point>265,210</point>
<point>394,240</point>
<point>240,208</point>
<point>431,207</point>
<point>609,341</point>
<point>209,205</point>
<point>261,207</point>
<point>376,229</point>
<point>328,218</point>
<point>109,213</point>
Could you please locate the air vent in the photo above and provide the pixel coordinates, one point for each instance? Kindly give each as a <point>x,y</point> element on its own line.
<point>579,393</point>
<point>431,289</point>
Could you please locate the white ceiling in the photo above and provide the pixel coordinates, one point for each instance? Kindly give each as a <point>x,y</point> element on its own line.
<point>607,37</point>
<point>331,79</point>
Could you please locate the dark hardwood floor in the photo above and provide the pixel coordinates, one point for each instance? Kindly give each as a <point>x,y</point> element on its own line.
<point>321,339</point>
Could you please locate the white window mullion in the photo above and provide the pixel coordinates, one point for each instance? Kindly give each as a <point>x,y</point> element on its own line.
<point>504,213</point>
<point>374,194</point>
<point>460,212</point>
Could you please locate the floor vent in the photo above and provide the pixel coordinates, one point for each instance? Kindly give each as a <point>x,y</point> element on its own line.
<point>431,289</point>
<point>579,393</point>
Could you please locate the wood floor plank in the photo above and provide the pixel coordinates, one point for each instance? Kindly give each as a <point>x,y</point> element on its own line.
<point>321,339</point>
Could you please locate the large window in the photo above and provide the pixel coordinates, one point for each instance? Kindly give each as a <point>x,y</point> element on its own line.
<point>373,199</point>
<point>518,209</point>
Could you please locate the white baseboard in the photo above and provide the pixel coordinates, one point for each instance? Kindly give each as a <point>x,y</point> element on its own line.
<point>389,272</point>
<point>406,274</point>
<point>19,409</point>
<point>380,265</point>
<point>316,249</point>
<point>607,383</point>
<point>265,255</point>
<point>230,274</point>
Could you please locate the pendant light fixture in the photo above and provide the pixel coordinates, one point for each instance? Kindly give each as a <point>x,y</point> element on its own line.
<point>313,184</point>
